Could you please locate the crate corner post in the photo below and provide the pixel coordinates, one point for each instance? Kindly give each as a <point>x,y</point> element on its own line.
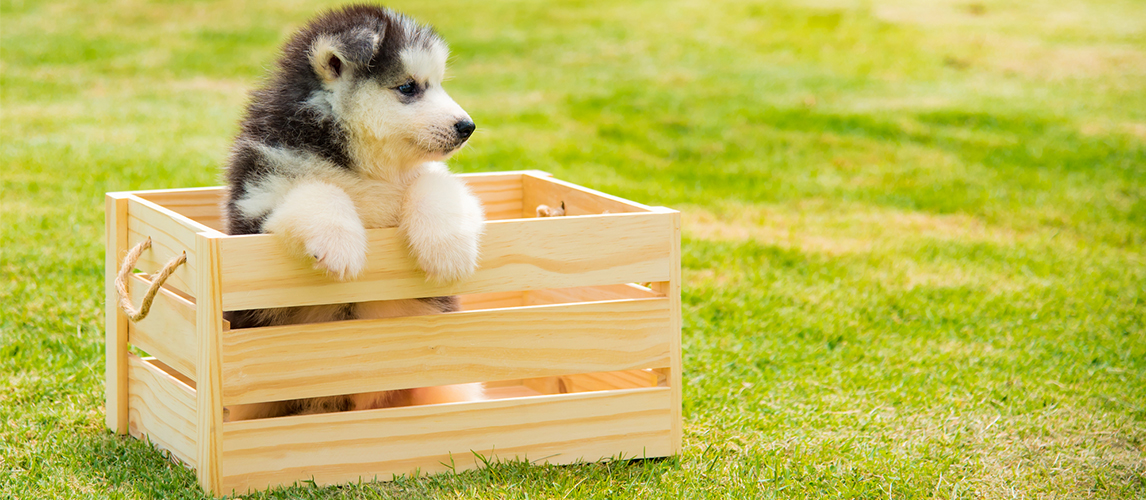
<point>209,390</point>
<point>672,290</point>
<point>115,321</point>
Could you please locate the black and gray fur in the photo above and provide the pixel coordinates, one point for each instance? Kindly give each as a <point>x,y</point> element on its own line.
<point>279,113</point>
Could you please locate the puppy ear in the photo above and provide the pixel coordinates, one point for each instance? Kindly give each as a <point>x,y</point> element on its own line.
<point>327,59</point>
<point>332,56</point>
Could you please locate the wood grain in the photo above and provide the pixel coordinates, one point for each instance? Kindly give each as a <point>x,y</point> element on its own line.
<point>541,189</point>
<point>607,381</point>
<point>340,447</point>
<point>169,237</point>
<point>478,301</point>
<point>346,357</point>
<point>161,409</point>
<point>168,331</point>
<point>500,193</point>
<point>115,321</point>
<point>193,203</point>
<point>208,388</point>
<point>587,293</point>
<point>517,255</point>
<point>671,289</point>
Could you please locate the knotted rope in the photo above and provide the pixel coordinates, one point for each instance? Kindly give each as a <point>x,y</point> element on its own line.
<point>156,280</point>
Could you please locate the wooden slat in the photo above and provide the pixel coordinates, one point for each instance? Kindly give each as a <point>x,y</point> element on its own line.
<point>346,357</point>
<point>500,194</point>
<point>162,409</point>
<point>170,236</point>
<point>474,302</point>
<point>587,293</point>
<point>544,190</point>
<point>340,447</point>
<point>509,391</point>
<point>585,382</point>
<point>555,296</point>
<point>516,255</point>
<point>115,321</point>
<point>588,382</point>
<point>209,325</point>
<point>168,331</point>
<point>193,203</point>
<point>671,289</point>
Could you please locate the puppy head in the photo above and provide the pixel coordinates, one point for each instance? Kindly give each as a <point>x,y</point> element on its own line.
<point>380,77</point>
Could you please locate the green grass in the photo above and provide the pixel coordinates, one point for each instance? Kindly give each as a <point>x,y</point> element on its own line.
<point>915,230</point>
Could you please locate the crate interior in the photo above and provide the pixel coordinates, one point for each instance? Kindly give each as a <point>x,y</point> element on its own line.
<point>504,197</point>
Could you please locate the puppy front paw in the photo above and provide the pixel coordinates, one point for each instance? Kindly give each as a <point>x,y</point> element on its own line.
<point>340,251</point>
<point>443,223</point>
<point>450,258</point>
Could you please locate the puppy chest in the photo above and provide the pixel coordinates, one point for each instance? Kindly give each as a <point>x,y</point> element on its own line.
<point>378,203</point>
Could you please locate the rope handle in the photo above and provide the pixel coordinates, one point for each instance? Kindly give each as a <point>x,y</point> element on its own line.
<point>156,281</point>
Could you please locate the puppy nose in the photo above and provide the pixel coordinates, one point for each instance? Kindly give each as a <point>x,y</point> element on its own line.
<point>465,128</point>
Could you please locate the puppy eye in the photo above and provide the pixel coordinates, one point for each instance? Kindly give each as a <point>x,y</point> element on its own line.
<point>408,88</point>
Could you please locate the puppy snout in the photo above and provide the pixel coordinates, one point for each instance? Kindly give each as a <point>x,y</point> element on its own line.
<point>464,128</point>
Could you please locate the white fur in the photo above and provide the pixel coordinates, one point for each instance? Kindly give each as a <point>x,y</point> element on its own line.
<point>322,211</point>
<point>443,223</point>
<point>318,219</point>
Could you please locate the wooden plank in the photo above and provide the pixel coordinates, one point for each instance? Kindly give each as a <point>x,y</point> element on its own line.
<point>509,391</point>
<point>477,301</point>
<point>161,409</point>
<point>209,332</point>
<point>545,190</point>
<point>500,195</point>
<point>526,254</point>
<point>585,382</point>
<point>194,203</point>
<point>115,321</point>
<point>341,447</point>
<point>607,381</point>
<point>169,237</point>
<point>168,331</point>
<point>671,289</point>
<point>347,357</point>
<point>587,293</point>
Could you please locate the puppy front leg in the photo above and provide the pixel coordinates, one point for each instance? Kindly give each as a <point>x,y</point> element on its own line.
<point>318,220</point>
<point>443,223</point>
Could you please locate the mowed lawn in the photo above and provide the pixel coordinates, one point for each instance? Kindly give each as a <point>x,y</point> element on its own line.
<point>914,261</point>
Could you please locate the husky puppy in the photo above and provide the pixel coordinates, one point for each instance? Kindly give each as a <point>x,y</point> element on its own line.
<point>348,134</point>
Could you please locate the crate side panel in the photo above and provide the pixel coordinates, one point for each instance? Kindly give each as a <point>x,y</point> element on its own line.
<point>495,300</point>
<point>168,239</point>
<point>193,203</point>
<point>500,195</point>
<point>168,331</point>
<point>162,409</point>
<point>578,200</point>
<point>589,382</point>
<point>342,447</point>
<point>348,357</point>
<point>202,205</point>
<point>588,293</point>
<point>526,254</point>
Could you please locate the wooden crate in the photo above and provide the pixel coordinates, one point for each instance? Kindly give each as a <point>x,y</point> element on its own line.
<point>580,362</point>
